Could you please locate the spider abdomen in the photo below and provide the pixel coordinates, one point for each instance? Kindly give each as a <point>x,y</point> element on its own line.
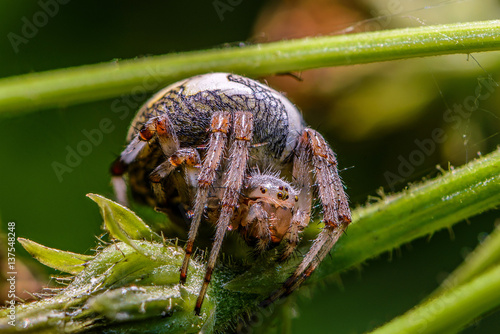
<point>191,103</point>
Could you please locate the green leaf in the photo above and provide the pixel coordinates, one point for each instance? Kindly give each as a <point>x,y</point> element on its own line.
<point>123,224</point>
<point>139,303</point>
<point>67,262</point>
<point>125,219</point>
<point>121,291</point>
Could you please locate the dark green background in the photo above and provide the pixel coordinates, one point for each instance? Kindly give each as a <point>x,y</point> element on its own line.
<point>58,214</point>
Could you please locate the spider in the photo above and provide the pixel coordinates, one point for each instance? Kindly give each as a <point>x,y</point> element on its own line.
<point>200,145</point>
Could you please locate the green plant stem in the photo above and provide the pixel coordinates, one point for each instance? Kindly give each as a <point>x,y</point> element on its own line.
<point>106,80</point>
<point>452,310</point>
<point>419,211</point>
<point>482,258</point>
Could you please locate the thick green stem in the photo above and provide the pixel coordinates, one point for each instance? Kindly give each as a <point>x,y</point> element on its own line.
<point>95,82</point>
<point>419,211</point>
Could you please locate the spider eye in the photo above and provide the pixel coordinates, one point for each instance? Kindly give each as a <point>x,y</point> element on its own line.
<point>287,197</point>
<point>280,195</point>
<point>280,187</point>
<point>263,190</point>
<point>296,198</point>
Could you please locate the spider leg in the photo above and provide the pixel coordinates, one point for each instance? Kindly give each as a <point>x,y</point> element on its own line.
<point>302,208</point>
<point>217,143</point>
<point>233,181</point>
<point>167,138</point>
<point>191,163</point>
<point>186,158</point>
<point>138,147</point>
<point>336,213</point>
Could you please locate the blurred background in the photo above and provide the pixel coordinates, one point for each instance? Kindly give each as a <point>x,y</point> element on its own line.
<point>375,116</point>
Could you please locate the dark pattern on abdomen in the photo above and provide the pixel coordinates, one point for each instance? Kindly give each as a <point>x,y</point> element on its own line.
<point>191,115</point>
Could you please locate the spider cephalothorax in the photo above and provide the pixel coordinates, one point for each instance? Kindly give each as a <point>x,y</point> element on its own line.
<point>265,210</point>
<point>199,144</point>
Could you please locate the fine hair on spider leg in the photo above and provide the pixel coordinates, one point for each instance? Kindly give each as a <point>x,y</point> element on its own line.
<point>218,138</point>
<point>336,213</point>
<point>233,181</point>
<point>302,211</point>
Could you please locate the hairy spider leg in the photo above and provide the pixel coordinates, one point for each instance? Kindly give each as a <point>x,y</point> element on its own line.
<point>218,138</point>
<point>336,213</point>
<point>233,182</point>
<point>187,159</point>
<point>302,209</point>
<point>138,147</point>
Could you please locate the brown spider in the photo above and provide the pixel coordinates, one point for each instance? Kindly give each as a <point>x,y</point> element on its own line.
<point>200,143</point>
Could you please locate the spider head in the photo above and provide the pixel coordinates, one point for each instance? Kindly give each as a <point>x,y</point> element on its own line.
<point>271,189</point>
<point>266,209</point>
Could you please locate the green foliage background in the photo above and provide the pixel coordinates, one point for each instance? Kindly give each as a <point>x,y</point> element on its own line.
<point>58,214</point>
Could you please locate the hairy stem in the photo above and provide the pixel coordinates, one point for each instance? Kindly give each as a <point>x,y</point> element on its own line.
<point>106,80</point>
<point>419,211</point>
